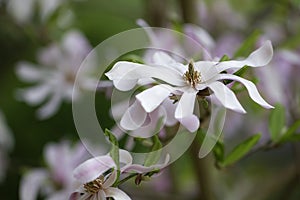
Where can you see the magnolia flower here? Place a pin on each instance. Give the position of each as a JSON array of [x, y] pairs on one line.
[[188, 80], [55, 182], [55, 74], [6, 145], [97, 180]]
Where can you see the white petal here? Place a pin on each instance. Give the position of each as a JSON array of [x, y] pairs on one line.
[[93, 168], [186, 105], [134, 117], [258, 58], [100, 195], [125, 158], [31, 183], [153, 97], [51, 107], [162, 58], [226, 96], [184, 111], [110, 180], [28, 72], [116, 193], [191, 123], [34, 95], [132, 72], [252, 90]]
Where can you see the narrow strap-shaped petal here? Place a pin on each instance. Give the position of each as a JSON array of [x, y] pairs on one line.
[[31, 183], [252, 90], [125, 159], [51, 107], [110, 180], [100, 195], [133, 71], [151, 98], [134, 117], [136, 168], [162, 58], [35, 94], [93, 168], [226, 97], [116, 193], [184, 111], [29, 73], [258, 58]]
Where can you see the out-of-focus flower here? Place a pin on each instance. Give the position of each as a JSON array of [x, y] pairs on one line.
[[280, 81], [97, 178], [188, 80], [6, 145], [55, 74], [24, 10], [55, 182]]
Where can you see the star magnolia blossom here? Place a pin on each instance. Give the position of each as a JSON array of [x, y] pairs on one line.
[[55, 74], [98, 186], [55, 182], [188, 80]]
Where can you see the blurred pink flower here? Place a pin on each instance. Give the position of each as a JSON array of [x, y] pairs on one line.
[[55, 182], [55, 74]]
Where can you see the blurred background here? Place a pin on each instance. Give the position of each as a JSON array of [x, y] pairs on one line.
[[271, 172]]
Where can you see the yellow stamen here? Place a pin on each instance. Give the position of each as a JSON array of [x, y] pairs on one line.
[[192, 77]]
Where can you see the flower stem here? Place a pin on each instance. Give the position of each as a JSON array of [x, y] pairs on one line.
[[126, 179], [189, 11], [202, 170]]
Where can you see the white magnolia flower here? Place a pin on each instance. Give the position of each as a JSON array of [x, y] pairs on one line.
[[6, 145], [55, 74], [55, 182], [97, 180], [188, 80]]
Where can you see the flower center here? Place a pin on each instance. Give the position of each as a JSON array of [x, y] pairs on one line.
[[94, 186], [192, 77]]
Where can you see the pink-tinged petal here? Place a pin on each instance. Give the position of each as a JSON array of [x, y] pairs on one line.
[[125, 158], [169, 108], [28, 72], [133, 71], [252, 90], [258, 58], [93, 168], [51, 107], [226, 96], [141, 169], [151, 98], [157, 121], [200, 35], [31, 183], [100, 195], [116, 193], [110, 180], [134, 117], [191, 123], [34, 95], [185, 107], [75, 196]]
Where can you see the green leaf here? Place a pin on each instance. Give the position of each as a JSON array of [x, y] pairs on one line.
[[224, 58], [248, 45], [153, 157], [293, 138], [114, 152], [290, 132], [241, 150], [277, 122], [133, 58]]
